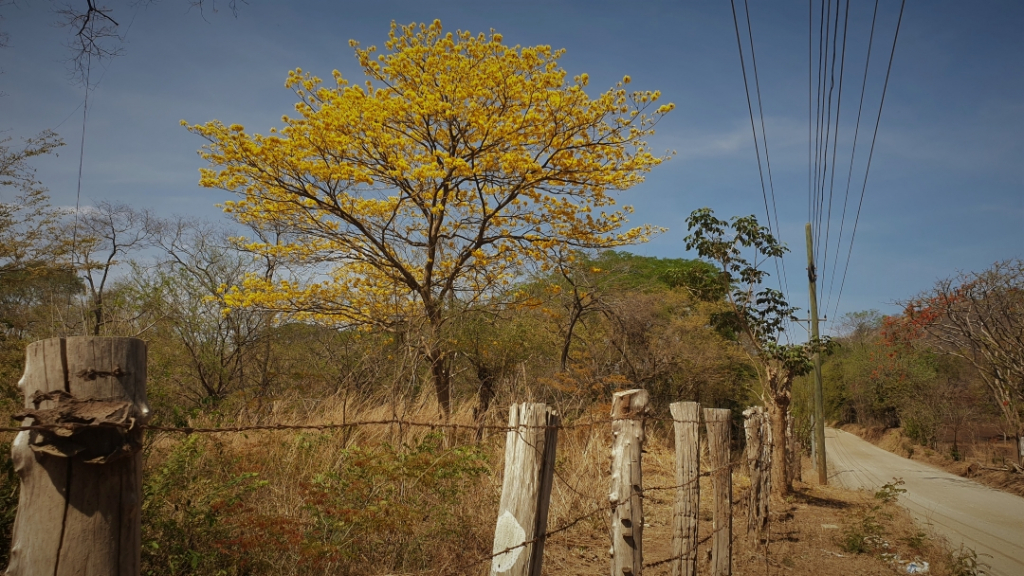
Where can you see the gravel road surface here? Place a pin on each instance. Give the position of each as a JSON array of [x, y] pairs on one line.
[[987, 520]]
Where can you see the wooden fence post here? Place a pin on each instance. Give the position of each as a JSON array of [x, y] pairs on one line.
[[686, 422], [758, 434], [628, 408], [796, 450], [79, 511], [526, 490], [718, 425]]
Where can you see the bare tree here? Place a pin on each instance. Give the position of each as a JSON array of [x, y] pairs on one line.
[[980, 317], [223, 350], [95, 33], [102, 236]]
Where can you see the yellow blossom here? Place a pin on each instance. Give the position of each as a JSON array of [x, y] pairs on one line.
[[459, 163]]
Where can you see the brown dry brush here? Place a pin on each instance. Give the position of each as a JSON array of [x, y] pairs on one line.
[[378, 499]]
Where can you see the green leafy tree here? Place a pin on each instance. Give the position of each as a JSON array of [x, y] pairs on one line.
[[757, 315]]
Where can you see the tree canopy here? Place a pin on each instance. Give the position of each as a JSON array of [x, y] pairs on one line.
[[460, 163]]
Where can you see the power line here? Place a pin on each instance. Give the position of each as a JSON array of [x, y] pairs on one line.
[[753, 129], [823, 24], [853, 154], [810, 53], [767, 159], [871, 153], [81, 157], [835, 140], [828, 132], [750, 110]]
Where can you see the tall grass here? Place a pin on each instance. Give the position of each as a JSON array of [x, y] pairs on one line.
[[376, 499]]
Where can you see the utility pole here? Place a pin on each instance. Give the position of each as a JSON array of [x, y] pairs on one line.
[[819, 407]]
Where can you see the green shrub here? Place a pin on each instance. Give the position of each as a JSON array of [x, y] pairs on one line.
[[185, 514], [964, 562]]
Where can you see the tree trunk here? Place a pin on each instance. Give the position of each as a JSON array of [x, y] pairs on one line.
[[487, 377], [440, 373], [1020, 449], [97, 313], [574, 316], [778, 411]]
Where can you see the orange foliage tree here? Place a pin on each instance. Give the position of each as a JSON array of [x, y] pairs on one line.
[[978, 317]]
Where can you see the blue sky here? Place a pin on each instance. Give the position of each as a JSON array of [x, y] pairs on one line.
[[945, 193]]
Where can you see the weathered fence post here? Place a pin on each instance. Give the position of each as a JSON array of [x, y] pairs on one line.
[[526, 490], [628, 409], [686, 422], [758, 434], [796, 450], [718, 421], [81, 487]]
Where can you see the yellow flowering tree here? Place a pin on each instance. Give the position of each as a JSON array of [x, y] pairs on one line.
[[457, 163]]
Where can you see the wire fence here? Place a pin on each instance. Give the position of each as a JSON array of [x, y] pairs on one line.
[[596, 509], [440, 425], [566, 525]]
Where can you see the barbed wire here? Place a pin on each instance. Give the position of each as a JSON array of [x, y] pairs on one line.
[[610, 507], [566, 525], [693, 550], [329, 426]]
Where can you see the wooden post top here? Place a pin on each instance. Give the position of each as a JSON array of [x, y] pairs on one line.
[[630, 403]]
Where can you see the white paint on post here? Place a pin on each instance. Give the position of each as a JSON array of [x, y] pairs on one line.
[[628, 409], [526, 490], [510, 536]]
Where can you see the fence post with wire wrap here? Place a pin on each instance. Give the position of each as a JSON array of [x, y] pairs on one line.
[[718, 422], [79, 509], [686, 424], [526, 490], [628, 409]]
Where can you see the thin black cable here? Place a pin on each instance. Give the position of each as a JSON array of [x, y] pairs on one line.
[[835, 149], [828, 131], [750, 110], [823, 23], [871, 153], [81, 157], [824, 121], [753, 130], [853, 153], [767, 160], [810, 57]]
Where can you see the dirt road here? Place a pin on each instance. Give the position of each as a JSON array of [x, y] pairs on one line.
[[989, 521]]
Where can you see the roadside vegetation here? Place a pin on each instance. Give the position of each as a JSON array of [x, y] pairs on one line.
[[458, 251], [939, 382]]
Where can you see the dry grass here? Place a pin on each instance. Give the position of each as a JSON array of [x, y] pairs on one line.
[[390, 499]]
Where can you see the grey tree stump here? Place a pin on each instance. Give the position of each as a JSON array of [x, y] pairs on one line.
[[79, 508]]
